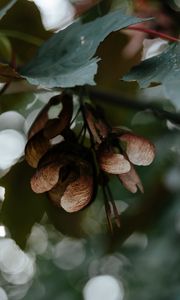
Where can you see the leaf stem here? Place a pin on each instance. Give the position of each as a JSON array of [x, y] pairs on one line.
[[76, 115], [84, 115], [154, 33], [107, 209], [115, 210]]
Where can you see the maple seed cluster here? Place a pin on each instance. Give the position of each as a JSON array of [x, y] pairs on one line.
[[66, 169], [118, 150], [63, 167]]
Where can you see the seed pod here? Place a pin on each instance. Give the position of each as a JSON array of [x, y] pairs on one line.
[[78, 192], [139, 150], [111, 162], [54, 117], [38, 145], [66, 176], [51, 170], [131, 181], [97, 125], [45, 178], [46, 129], [35, 148]]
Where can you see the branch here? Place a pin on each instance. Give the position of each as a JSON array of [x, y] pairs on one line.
[[137, 105], [109, 98]]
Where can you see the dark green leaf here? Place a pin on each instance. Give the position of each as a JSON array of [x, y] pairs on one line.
[[164, 69], [4, 10], [65, 60]]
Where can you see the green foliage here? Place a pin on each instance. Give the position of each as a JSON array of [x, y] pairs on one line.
[[148, 237], [164, 69], [5, 48], [66, 59], [125, 6]]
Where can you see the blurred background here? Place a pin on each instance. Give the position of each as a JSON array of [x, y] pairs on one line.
[[46, 253]]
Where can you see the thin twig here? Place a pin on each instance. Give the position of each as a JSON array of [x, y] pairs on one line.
[[76, 115], [107, 209], [115, 210], [137, 105]]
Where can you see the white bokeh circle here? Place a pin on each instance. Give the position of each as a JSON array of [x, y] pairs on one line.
[[104, 287], [12, 144]]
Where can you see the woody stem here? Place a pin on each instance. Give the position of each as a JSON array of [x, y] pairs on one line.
[[134, 104]]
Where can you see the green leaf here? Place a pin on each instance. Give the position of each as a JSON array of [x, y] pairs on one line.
[[65, 60], [125, 5], [4, 10], [5, 48], [145, 117], [164, 69]]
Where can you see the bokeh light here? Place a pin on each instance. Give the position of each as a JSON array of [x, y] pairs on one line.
[[103, 287], [55, 14], [69, 253], [3, 295], [17, 267]]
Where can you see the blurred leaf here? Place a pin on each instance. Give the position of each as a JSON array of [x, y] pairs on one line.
[[24, 104], [164, 69], [25, 37], [4, 10], [143, 118], [7, 73], [125, 6], [65, 60], [21, 208], [5, 48]]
